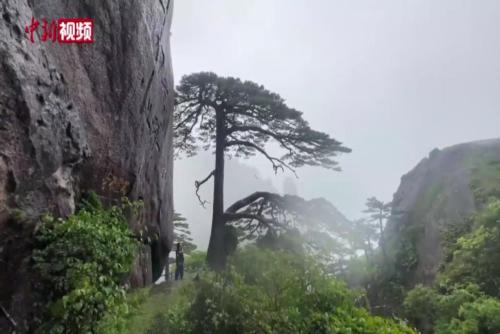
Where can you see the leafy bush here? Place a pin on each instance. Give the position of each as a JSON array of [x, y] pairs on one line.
[[477, 254], [450, 300], [420, 307], [461, 310], [82, 262], [479, 317], [465, 299], [195, 262], [273, 291]]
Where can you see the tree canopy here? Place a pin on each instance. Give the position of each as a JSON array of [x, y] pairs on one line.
[[253, 116], [377, 210]]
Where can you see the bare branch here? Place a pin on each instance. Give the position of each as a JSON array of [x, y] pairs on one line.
[[276, 162], [198, 184], [276, 136]]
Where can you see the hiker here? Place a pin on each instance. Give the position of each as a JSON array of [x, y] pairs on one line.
[[179, 262]]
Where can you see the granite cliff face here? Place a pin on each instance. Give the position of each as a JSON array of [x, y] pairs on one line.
[[82, 117], [443, 189]]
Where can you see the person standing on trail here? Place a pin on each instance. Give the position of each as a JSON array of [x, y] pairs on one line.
[[179, 262]]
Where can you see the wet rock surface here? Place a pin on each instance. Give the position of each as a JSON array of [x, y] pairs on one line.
[[436, 193], [83, 117]]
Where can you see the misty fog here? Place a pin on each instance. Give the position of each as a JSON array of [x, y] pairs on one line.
[[390, 79]]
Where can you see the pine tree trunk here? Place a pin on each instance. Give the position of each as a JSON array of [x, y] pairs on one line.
[[382, 241], [367, 254], [216, 256]]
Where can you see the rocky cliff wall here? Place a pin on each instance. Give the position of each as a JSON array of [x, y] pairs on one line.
[[82, 117], [443, 189]]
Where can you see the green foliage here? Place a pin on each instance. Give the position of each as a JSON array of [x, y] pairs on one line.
[[477, 255], [479, 317], [485, 180], [152, 305], [378, 212], [466, 297], [468, 284], [160, 325], [449, 236], [196, 262], [275, 291], [449, 301], [291, 241], [363, 235], [420, 307], [16, 215], [314, 225], [265, 118], [406, 256], [431, 198], [389, 280], [82, 262], [324, 247], [357, 272], [396, 271], [463, 310]]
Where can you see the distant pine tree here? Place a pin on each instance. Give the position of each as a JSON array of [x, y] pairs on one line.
[[378, 213], [183, 234]]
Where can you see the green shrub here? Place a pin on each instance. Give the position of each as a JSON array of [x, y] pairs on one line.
[[449, 303], [82, 262], [479, 317], [195, 262], [461, 310], [420, 307], [270, 291], [465, 299], [477, 254], [160, 325]]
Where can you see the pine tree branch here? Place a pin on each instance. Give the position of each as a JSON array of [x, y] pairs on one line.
[[198, 184], [190, 116], [228, 217], [276, 162]]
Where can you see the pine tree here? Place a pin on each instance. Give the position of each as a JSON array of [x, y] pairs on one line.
[[237, 118]]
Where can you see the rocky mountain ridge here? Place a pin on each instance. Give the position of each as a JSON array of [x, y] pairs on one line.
[[445, 188]]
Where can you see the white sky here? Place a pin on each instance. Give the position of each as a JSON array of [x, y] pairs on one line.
[[390, 79]]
